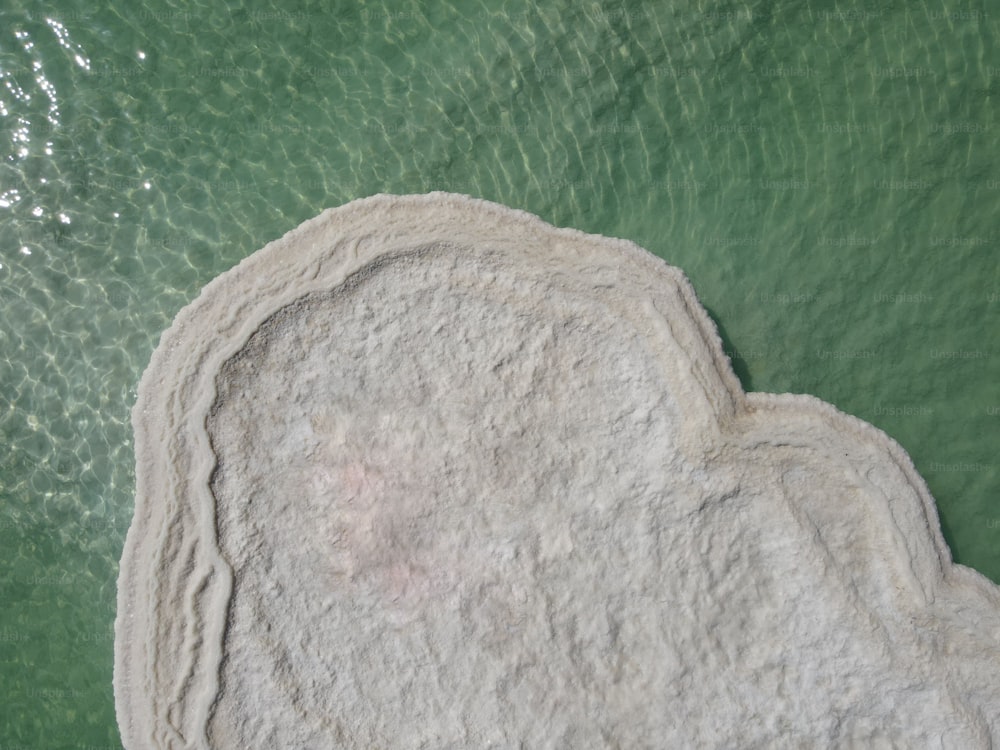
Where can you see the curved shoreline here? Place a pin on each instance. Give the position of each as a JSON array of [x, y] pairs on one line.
[[167, 667]]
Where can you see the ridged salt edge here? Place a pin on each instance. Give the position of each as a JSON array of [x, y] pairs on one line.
[[174, 460]]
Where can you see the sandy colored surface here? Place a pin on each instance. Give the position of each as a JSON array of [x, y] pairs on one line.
[[430, 473]]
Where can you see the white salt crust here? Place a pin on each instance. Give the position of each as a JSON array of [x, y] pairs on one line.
[[428, 472]]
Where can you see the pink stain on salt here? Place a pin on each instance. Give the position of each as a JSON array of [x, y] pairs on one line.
[[373, 548]]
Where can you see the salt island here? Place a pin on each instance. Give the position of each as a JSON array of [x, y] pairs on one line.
[[429, 472]]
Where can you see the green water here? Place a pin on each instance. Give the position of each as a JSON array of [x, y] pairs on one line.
[[826, 173]]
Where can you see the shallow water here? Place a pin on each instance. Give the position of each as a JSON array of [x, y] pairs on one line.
[[827, 175]]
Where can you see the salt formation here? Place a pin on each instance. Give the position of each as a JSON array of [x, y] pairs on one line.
[[430, 473]]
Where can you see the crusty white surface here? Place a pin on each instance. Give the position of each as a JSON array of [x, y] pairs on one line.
[[430, 473]]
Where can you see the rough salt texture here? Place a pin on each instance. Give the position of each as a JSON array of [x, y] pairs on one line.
[[430, 473]]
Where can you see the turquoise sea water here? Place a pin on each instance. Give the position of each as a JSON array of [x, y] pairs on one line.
[[827, 173]]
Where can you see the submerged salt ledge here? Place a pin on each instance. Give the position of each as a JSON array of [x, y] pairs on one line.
[[429, 472]]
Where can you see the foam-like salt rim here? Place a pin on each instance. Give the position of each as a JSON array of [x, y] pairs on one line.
[[174, 585]]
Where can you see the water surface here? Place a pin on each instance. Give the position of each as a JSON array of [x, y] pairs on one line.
[[826, 173]]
